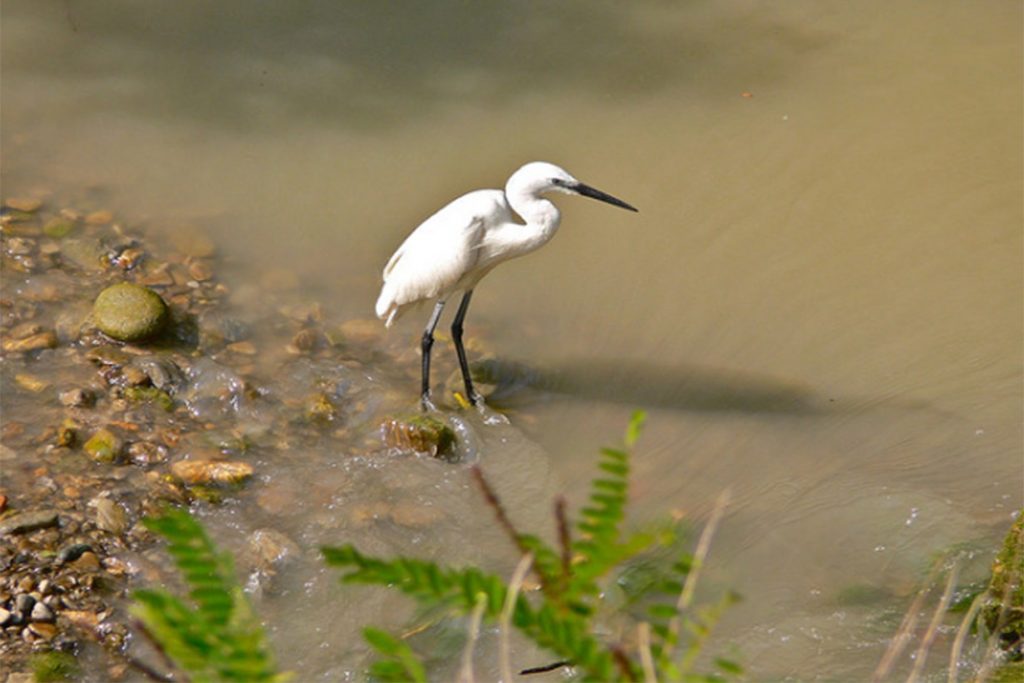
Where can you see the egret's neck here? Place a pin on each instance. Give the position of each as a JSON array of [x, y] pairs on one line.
[[540, 215]]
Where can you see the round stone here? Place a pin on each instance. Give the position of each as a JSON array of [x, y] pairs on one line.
[[129, 312]]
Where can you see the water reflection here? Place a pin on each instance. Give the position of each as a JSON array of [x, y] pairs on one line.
[[238, 63], [649, 384]]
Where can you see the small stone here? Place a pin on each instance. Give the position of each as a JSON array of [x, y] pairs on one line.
[[20, 246], [104, 446], [88, 562], [72, 552], [40, 612], [23, 604], [35, 342], [21, 677], [129, 258], [200, 271], [320, 409], [5, 617], [25, 329], [76, 398], [99, 217], [67, 434], [85, 252], [82, 618], [26, 204], [309, 339], [109, 515], [58, 227], [108, 355], [158, 277], [31, 383], [163, 373], [146, 453], [246, 348], [28, 521], [420, 433], [194, 472], [130, 312], [134, 376], [43, 630]]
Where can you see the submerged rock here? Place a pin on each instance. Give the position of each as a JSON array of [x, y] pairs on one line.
[[420, 433], [129, 312], [28, 521], [194, 472], [103, 447]]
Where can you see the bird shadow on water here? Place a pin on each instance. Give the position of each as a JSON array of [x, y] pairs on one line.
[[649, 384]]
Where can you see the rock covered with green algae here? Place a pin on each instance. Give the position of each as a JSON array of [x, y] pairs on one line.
[[420, 433], [1004, 612], [129, 312], [104, 447]]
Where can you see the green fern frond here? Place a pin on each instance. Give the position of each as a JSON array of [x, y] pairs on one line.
[[400, 664], [219, 640]]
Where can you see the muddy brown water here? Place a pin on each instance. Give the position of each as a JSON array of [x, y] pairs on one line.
[[819, 302]]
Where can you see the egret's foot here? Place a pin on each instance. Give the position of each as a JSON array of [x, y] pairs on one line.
[[488, 415], [427, 406]]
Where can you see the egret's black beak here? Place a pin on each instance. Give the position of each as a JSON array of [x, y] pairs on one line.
[[588, 191]]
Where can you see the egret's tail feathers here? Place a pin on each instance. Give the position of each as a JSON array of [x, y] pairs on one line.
[[387, 308]]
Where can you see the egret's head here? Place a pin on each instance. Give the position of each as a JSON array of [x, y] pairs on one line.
[[538, 177]]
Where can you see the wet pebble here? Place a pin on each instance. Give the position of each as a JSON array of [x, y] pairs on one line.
[[87, 562], [211, 471], [109, 515], [72, 552], [420, 433], [130, 312], [19, 246], [99, 217], [26, 204], [40, 612], [35, 342], [76, 397], [28, 521], [43, 630], [146, 453], [58, 227], [103, 447]]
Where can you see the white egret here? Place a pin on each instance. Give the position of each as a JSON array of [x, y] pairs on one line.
[[453, 249]]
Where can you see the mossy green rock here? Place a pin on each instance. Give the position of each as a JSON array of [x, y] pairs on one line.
[[421, 433], [104, 447], [129, 312]]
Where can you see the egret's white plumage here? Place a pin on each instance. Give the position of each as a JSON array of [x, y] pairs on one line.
[[457, 246]]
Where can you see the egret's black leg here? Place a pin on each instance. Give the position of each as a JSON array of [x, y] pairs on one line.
[[471, 393], [428, 341]]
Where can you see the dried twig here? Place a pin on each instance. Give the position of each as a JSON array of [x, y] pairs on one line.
[[690, 585], [515, 584], [544, 669], [564, 540], [933, 626], [961, 635], [643, 638], [902, 636], [622, 661], [466, 673], [492, 499]]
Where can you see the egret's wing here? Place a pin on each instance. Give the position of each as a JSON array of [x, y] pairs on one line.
[[436, 256]]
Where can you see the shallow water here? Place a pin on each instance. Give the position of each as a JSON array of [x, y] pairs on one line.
[[819, 303]]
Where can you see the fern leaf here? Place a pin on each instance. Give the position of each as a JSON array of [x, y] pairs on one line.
[[218, 641], [400, 663]]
